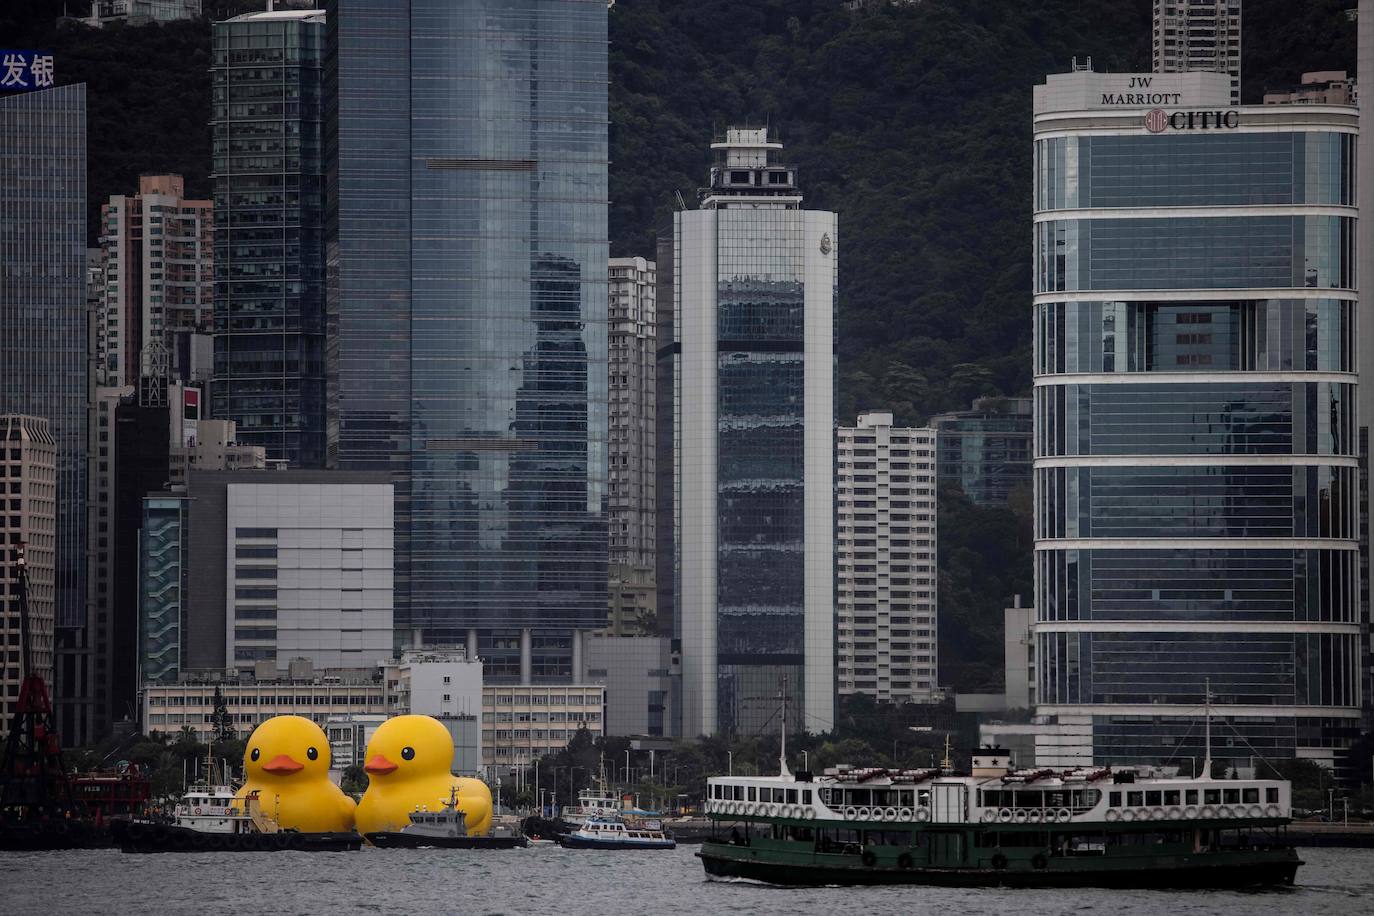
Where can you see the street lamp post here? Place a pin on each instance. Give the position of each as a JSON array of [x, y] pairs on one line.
[[730, 756], [806, 761]]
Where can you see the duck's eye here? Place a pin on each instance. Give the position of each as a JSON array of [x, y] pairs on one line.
[[312, 753], [255, 755], [407, 753]]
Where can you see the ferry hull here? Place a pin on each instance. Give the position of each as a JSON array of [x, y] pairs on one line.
[[572, 841], [400, 840], [133, 836], [1250, 870]]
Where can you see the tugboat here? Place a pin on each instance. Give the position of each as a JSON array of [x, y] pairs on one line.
[[210, 819], [445, 829], [618, 833], [1000, 826]]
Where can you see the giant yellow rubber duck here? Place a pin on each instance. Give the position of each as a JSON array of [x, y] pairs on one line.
[[408, 765], [287, 764]]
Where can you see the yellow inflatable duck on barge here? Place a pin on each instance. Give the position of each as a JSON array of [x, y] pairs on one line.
[[287, 764], [408, 765]]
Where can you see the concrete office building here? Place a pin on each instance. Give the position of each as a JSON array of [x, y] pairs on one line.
[[1365, 268], [885, 561], [523, 722], [639, 673], [348, 735], [466, 272], [631, 445], [289, 565], [269, 231], [446, 684], [44, 327], [158, 268], [1198, 35], [1196, 469], [987, 450], [28, 469], [317, 696], [753, 352]]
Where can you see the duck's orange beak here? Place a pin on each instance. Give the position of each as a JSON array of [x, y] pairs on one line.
[[379, 765], [282, 765]]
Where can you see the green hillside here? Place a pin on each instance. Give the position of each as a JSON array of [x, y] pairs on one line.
[[913, 122]]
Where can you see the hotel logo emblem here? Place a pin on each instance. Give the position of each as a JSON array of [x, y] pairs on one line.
[[1156, 120]]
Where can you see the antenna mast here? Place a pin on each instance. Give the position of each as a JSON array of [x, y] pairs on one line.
[[1207, 720], [782, 755]]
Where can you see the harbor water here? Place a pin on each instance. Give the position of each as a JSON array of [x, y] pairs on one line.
[[551, 880]]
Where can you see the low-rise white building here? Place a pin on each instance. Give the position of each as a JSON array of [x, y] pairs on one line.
[[522, 721], [169, 708]]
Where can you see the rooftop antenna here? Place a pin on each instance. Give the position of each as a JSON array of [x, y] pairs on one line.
[[1207, 719]]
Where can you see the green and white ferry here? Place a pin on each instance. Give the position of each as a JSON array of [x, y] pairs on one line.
[[999, 826]]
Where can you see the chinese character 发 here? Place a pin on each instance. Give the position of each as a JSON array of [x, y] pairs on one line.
[[14, 71], [41, 70]]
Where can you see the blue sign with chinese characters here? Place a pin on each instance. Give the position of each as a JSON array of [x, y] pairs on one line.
[[20, 70]]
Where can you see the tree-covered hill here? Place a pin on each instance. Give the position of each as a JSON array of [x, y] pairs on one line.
[[912, 121]]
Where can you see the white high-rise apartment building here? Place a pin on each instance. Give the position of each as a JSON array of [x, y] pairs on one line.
[[753, 425], [1198, 35], [885, 560], [158, 266], [630, 445]]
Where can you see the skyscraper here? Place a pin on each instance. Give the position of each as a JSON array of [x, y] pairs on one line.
[[466, 269], [1196, 469], [157, 261], [885, 561], [269, 232], [753, 506], [1198, 35], [28, 464], [632, 355], [43, 318]]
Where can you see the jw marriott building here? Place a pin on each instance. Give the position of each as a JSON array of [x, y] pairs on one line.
[[1196, 476]]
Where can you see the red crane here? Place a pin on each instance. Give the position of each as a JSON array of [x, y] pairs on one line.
[[37, 807]]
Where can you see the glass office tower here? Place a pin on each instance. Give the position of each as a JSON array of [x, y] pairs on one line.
[[466, 268], [1196, 455], [754, 279], [269, 232], [44, 330]]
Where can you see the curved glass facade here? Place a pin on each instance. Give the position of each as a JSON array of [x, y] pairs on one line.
[[1174, 427], [1200, 252], [466, 261], [1255, 335], [1183, 169]]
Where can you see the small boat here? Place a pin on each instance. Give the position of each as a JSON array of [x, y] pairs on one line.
[[619, 833], [446, 829]]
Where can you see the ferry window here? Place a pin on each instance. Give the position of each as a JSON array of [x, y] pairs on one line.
[[1135, 799], [752, 794], [1171, 797], [859, 797], [806, 796], [825, 796], [1190, 796], [1114, 799], [880, 797], [1271, 796], [1231, 796], [739, 793], [1154, 799], [791, 796], [1249, 796], [1211, 796]]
